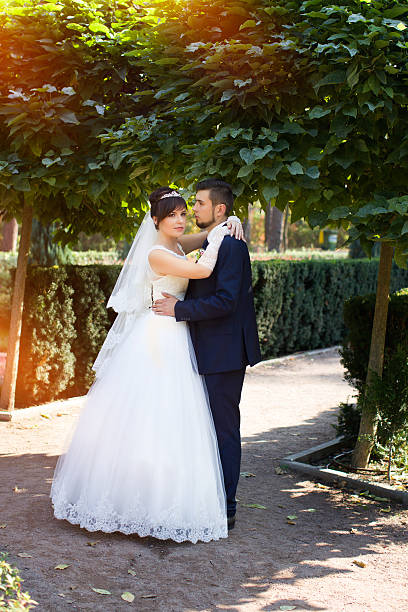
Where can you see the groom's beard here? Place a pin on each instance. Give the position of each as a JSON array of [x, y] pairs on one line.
[[205, 224]]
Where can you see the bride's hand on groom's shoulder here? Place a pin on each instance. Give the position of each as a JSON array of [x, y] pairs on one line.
[[165, 306], [235, 228]]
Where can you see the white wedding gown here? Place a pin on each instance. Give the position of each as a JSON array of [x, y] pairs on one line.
[[144, 457]]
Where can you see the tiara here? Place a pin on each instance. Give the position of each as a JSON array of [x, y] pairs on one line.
[[171, 194]]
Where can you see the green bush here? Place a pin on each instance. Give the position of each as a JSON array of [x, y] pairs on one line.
[[91, 323], [298, 305], [65, 322], [46, 362], [12, 598], [388, 395], [358, 318]]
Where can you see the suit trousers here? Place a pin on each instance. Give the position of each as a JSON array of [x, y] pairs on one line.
[[224, 391]]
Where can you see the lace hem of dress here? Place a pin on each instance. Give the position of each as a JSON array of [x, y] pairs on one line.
[[107, 520]]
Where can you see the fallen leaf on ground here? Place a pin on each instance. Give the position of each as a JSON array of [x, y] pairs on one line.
[[148, 596], [24, 555], [247, 475], [128, 596], [16, 489], [254, 506], [3, 526], [45, 416], [61, 595], [359, 563], [310, 510], [287, 607], [291, 522], [279, 470], [131, 572], [381, 510], [62, 566], [101, 591], [62, 413], [291, 517], [92, 543]]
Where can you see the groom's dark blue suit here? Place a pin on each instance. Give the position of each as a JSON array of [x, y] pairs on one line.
[[220, 312]]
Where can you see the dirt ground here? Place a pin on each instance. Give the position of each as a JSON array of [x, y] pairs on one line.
[[265, 564]]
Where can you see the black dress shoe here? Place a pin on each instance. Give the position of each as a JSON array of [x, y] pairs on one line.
[[230, 522]]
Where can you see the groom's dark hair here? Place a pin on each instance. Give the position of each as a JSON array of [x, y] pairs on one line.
[[220, 193]]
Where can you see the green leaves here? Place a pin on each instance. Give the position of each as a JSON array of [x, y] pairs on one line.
[[249, 23], [270, 192], [52, 125], [295, 168], [333, 78], [96, 26]]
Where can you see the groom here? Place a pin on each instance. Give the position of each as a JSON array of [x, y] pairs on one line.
[[220, 311]]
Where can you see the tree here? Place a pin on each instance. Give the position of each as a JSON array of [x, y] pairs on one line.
[[44, 251], [299, 103], [10, 235], [64, 79], [274, 228]]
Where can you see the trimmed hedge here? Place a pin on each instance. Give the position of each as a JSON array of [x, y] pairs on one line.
[[299, 306], [46, 362], [359, 316], [388, 395]]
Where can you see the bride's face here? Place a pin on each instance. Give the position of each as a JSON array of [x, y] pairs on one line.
[[174, 224]]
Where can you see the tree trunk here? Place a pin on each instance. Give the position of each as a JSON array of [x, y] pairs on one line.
[[247, 229], [274, 222], [10, 233], [286, 228], [368, 423], [13, 347]]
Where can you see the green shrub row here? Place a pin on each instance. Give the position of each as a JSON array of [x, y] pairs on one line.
[[388, 395], [65, 322], [358, 317], [299, 306]]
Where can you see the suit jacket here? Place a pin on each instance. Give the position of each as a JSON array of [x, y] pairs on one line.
[[221, 314]]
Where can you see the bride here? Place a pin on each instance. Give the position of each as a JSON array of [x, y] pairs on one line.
[[144, 458]]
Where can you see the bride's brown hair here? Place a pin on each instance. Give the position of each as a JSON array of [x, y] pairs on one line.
[[161, 207]]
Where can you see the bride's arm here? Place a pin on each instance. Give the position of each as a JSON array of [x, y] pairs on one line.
[[163, 263], [191, 242]]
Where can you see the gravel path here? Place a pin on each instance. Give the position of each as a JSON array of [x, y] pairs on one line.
[[265, 564]]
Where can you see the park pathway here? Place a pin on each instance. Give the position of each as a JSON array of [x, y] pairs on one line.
[[265, 564]]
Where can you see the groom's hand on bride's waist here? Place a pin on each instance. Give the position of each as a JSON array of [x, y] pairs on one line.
[[165, 306]]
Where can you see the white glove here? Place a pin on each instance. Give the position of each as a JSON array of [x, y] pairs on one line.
[[235, 227], [215, 238]]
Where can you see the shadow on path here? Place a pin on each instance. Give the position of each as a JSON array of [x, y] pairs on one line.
[[264, 564]]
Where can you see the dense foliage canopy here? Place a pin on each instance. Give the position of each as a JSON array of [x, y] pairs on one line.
[[64, 79], [299, 102]]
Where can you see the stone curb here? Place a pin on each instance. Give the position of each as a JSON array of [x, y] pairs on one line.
[[294, 356], [296, 463]]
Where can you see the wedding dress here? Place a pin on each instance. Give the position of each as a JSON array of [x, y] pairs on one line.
[[144, 457]]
